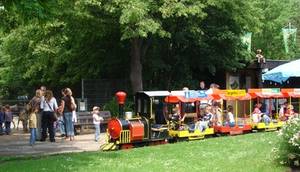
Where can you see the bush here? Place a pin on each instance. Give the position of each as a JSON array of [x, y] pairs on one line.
[[113, 107], [288, 150]]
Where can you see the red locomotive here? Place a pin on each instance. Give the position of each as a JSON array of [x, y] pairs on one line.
[[148, 127]]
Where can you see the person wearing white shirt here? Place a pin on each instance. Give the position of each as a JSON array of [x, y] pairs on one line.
[[96, 120], [49, 106]]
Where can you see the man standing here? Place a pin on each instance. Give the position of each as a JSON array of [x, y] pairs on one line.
[[202, 86], [39, 115]]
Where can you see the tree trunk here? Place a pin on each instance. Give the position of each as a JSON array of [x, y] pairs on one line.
[[136, 65]]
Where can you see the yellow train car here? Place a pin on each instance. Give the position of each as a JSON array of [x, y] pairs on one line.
[[184, 127], [267, 94]]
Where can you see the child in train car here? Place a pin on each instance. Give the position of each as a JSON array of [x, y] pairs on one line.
[[257, 114], [290, 112], [97, 120], [230, 117], [176, 114], [176, 117], [206, 120], [282, 111], [217, 112]]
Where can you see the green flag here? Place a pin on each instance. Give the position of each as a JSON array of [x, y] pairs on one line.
[[289, 37], [246, 40]]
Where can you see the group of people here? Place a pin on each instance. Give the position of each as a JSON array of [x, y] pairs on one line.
[[210, 115], [45, 115], [44, 112], [286, 111]]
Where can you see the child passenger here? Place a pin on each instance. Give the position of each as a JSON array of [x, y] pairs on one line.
[[282, 111], [217, 113], [96, 120], [230, 116], [206, 119], [290, 112], [256, 114], [33, 125]]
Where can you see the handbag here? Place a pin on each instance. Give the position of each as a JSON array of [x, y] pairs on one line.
[[54, 115]]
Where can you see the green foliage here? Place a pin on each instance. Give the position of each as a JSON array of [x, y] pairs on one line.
[[60, 42], [288, 148], [274, 15], [113, 107]]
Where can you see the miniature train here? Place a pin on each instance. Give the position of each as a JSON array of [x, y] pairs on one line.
[[155, 123]]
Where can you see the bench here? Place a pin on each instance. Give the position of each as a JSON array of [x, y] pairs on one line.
[[85, 124]]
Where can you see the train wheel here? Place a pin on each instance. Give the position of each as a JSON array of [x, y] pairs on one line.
[[184, 139], [172, 140], [126, 146]]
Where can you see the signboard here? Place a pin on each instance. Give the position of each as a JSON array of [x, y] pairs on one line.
[[235, 93], [297, 91], [195, 94], [268, 91]]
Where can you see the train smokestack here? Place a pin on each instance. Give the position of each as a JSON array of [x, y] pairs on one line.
[[121, 97]]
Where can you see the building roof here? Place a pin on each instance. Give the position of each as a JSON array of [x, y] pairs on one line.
[[270, 64]]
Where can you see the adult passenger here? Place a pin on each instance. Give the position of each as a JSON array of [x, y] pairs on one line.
[[49, 106]]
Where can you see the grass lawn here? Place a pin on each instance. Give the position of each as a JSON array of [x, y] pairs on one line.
[[251, 152]]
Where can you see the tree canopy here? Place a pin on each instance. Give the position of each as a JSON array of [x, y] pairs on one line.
[[156, 44]]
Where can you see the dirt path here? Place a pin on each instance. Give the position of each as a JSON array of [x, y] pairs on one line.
[[17, 144]]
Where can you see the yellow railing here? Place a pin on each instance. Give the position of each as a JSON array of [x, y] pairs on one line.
[[125, 136]]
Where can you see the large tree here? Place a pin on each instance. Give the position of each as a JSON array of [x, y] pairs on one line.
[[166, 43], [140, 20]]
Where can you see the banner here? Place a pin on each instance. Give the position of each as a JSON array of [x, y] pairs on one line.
[[246, 40], [289, 37], [235, 93]]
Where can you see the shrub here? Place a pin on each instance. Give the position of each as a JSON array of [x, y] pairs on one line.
[[113, 107], [288, 150]]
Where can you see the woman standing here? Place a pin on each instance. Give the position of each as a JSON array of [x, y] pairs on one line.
[[68, 105], [49, 106]]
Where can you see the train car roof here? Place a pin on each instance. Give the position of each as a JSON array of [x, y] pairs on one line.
[[155, 93]]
